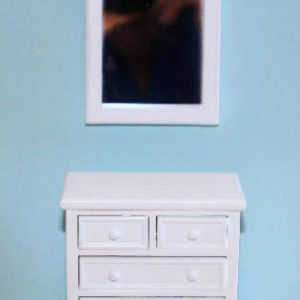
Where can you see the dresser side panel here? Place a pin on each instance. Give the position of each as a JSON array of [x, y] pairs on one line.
[[72, 255]]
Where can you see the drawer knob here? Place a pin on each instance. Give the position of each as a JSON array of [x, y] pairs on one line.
[[114, 276], [192, 276], [193, 236], [113, 236]]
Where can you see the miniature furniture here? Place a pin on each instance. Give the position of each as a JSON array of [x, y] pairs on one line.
[[154, 235]]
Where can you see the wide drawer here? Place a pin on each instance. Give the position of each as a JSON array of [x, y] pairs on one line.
[[152, 273], [150, 298], [113, 232], [190, 233]]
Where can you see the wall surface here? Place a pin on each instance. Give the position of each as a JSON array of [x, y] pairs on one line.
[[42, 136]]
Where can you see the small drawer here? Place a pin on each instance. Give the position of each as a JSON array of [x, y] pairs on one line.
[[152, 273], [190, 233], [113, 232]]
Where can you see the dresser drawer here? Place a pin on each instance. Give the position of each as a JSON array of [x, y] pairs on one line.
[[190, 233], [105, 232], [151, 298], [153, 273]]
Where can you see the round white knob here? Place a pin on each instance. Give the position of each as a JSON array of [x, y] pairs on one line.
[[113, 236], [192, 276], [114, 276], [193, 236]]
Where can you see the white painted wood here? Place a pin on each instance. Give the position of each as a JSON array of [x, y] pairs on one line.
[[136, 191], [165, 292], [204, 113], [153, 273], [153, 249], [191, 251], [151, 298], [113, 232], [233, 255], [209, 232], [72, 255]]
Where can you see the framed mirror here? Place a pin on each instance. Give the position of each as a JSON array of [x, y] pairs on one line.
[[152, 61]]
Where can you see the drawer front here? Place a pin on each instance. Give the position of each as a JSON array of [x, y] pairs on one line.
[[190, 233], [150, 298], [104, 232], [153, 273]]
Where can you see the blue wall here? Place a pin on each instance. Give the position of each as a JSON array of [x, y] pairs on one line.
[[42, 136]]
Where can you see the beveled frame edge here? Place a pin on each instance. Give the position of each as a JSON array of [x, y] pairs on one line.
[[207, 113]]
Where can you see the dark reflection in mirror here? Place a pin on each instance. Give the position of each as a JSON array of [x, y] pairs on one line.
[[152, 51]]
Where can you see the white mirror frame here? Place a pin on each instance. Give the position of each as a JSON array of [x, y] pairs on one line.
[[206, 113]]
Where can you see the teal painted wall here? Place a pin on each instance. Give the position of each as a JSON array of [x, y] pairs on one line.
[[42, 136]]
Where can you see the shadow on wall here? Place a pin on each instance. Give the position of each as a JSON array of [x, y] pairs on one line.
[[63, 221], [243, 223]]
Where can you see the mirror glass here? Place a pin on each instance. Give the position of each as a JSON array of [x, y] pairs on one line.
[[152, 51]]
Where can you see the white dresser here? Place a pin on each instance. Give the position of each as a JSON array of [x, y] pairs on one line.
[[146, 236]]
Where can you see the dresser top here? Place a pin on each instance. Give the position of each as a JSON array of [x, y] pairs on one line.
[[152, 191]]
